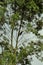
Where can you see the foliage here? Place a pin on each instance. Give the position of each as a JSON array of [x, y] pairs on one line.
[[24, 11]]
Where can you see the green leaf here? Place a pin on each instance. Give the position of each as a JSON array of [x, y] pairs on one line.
[[2, 12], [20, 2]]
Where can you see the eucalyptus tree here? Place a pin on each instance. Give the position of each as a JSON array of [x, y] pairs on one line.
[[24, 11]]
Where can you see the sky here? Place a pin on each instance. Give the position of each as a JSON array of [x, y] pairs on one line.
[[36, 61]]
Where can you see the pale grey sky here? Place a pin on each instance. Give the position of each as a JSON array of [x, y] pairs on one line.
[[36, 61]]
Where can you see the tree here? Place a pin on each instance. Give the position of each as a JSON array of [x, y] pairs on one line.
[[24, 11]]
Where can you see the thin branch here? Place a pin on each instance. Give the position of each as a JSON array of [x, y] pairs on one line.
[[19, 30], [12, 38]]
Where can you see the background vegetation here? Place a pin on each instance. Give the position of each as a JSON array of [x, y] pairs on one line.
[[21, 17]]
